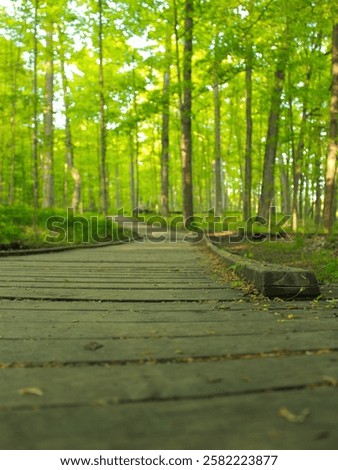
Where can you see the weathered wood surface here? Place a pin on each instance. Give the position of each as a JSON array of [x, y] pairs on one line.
[[104, 329], [233, 422], [148, 346], [165, 381]]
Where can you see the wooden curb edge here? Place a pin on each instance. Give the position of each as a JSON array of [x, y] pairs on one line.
[[272, 280]]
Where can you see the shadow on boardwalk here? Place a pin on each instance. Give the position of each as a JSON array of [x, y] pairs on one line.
[[144, 346]]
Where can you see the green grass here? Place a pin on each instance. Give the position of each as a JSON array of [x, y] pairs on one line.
[[20, 228], [317, 253]]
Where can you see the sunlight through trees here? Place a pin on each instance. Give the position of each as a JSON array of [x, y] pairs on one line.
[[178, 105]]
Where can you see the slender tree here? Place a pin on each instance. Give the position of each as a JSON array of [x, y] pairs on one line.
[[249, 132], [75, 174], [177, 55], [136, 145], [331, 165], [186, 112], [165, 130], [35, 149], [318, 202], [217, 131], [284, 177], [103, 124], [48, 154], [14, 69], [132, 164], [268, 186]]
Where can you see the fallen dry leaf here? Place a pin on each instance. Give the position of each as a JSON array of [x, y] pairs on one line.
[[214, 380], [31, 391], [330, 380], [291, 417], [93, 346], [99, 402]]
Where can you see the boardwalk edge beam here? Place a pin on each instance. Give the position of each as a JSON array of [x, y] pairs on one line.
[[271, 280]]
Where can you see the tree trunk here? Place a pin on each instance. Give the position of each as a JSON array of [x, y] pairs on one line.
[[208, 198], [186, 110], [117, 187], [285, 186], [137, 172], [133, 201], [136, 146], [103, 127], [217, 130], [165, 144], [177, 54], [318, 173], [298, 159], [331, 165], [11, 191], [307, 203], [301, 197], [297, 173], [48, 157], [2, 159], [35, 149], [249, 129], [76, 197], [268, 189], [218, 151]]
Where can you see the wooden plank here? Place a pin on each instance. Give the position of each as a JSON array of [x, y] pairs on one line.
[[111, 265], [184, 317], [244, 305], [146, 295], [330, 291], [97, 277], [121, 313], [135, 383], [104, 329], [42, 307], [233, 313], [120, 253], [172, 261], [74, 284], [41, 351], [215, 423]]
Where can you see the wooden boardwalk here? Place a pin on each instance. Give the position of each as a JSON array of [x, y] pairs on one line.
[[147, 346]]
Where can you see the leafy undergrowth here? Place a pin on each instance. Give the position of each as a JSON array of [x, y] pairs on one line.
[[21, 229], [317, 253]]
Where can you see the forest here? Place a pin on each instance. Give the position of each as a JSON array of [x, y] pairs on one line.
[[178, 106]]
